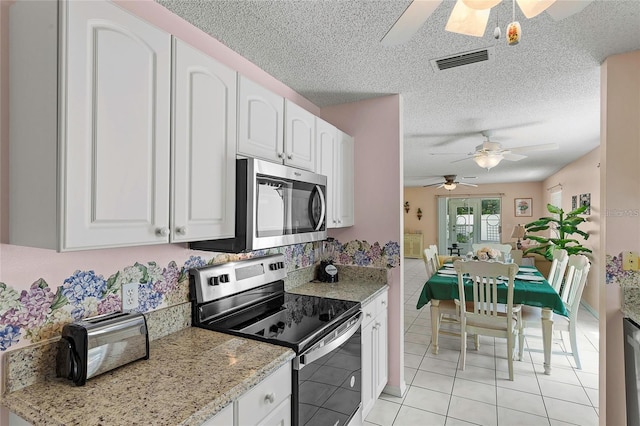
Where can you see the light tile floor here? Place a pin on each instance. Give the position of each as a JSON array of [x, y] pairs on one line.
[[439, 393]]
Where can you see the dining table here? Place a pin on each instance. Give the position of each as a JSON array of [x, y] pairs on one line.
[[530, 288]]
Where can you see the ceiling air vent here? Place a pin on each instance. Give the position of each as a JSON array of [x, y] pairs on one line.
[[461, 59]]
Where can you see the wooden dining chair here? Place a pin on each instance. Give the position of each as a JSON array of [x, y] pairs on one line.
[[429, 262], [485, 316], [558, 268], [434, 249], [531, 317]]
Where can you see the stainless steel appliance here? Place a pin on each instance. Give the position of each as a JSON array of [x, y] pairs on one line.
[[276, 205], [632, 370], [99, 344], [247, 298]]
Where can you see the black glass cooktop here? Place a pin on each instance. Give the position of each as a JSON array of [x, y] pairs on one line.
[[292, 320]]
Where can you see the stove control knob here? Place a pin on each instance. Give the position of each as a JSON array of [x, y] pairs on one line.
[[273, 266], [214, 281], [224, 278], [280, 325], [273, 329]]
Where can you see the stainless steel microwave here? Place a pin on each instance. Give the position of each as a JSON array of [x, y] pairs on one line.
[[276, 205]]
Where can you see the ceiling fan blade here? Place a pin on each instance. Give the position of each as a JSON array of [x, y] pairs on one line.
[[513, 157], [462, 159], [562, 9], [409, 22], [468, 184], [531, 8], [532, 148], [464, 20], [437, 185]]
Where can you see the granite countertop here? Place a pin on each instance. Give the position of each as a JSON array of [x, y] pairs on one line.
[[354, 289], [190, 376]]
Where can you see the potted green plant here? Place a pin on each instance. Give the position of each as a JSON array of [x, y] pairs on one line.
[[565, 225]]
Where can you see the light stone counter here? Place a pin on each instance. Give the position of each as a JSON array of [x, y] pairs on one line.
[[190, 376], [631, 302], [356, 284]]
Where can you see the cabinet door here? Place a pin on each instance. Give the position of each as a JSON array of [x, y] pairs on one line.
[[260, 122], [382, 357], [115, 156], [280, 416], [368, 368], [203, 146], [299, 137], [326, 146], [346, 194], [223, 418]]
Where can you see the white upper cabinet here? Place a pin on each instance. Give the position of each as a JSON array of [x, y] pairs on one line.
[[299, 137], [100, 156], [260, 122], [334, 158], [327, 146], [204, 146], [270, 129], [103, 105], [345, 160]]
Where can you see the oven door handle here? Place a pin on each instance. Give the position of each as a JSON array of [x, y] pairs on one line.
[[316, 353]]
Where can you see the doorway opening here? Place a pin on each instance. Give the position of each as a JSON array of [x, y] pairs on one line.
[[466, 221]]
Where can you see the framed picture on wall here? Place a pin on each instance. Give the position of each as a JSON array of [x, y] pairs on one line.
[[523, 207]]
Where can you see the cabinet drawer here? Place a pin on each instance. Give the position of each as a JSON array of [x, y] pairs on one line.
[[369, 312], [257, 403], [382, 301]]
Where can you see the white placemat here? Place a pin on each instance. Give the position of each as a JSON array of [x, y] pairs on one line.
[[529, 277]]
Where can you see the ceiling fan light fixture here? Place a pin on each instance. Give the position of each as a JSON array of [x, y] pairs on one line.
[[531, 8], [467, 21], [480, 4], [487, 161], [450, 186]]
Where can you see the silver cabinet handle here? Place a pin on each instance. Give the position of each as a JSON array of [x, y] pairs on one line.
[[384, 302], [281, 155], [162, 232], [290, 156], [368, 315], [270, 398], [182, 230]]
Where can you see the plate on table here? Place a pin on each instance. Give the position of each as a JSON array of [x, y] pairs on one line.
[[448, 265], [529, 277], [527, 269], [447, 272]]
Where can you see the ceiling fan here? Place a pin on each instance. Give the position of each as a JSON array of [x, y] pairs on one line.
[[470, 17], [489, 154], [450, 182]]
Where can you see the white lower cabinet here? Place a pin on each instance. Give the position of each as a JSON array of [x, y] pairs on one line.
[[266, 404], [374, 351], [223, 418]]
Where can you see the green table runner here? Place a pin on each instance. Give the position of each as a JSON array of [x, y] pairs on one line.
[[531, 293]]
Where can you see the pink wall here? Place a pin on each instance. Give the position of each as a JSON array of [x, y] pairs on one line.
[[620, 134], [375, 125], [582, 177]]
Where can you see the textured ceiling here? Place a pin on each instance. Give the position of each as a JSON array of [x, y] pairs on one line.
[[546, 89]]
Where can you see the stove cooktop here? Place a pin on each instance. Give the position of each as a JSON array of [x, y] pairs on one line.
[[247, 298]]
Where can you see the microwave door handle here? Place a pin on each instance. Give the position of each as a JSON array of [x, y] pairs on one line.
[[323, 209]]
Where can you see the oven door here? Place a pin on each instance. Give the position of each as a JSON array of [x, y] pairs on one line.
[[327, 378]]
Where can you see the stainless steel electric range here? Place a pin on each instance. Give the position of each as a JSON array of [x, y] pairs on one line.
[[247, 298]]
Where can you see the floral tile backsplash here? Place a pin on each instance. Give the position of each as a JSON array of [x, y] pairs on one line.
[[41, 311], [616, 274]]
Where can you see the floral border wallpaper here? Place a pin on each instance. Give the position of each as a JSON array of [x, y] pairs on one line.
[[41, 311], [615, 273]]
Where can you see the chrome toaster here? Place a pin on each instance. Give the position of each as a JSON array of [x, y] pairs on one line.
[[96, 345]]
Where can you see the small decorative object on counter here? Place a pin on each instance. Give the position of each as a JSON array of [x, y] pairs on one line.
[[327, 271]]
